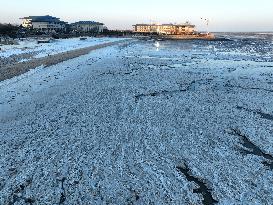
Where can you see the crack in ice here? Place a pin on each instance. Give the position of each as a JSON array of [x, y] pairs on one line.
[[251, 148], [202, 187], [262, 115]]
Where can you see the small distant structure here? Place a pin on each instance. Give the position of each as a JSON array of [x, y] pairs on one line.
[[87, 27], [165, 29], [45, 40], [47, 24], [83, 38]]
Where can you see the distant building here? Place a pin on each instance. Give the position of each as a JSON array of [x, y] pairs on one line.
[[168, 29], [88, 27], [46, 24]]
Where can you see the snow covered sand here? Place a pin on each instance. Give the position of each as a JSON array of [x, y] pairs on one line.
[[10, 70], [29, 48], [186, 123]]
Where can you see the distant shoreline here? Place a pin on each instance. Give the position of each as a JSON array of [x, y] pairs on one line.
[[250, 32]]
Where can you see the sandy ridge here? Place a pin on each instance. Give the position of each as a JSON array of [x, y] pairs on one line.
[[10, 71]]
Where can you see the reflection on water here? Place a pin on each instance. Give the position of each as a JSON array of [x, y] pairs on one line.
[[254, 47]]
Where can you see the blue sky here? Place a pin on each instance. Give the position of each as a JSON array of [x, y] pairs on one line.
[[224, 15]]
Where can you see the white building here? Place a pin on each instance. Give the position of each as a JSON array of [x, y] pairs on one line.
[[168, 29], [88, 27], [44, 23]]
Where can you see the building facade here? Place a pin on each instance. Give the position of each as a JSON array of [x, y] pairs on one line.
[[46, 24], [88, 27], [167, 29]]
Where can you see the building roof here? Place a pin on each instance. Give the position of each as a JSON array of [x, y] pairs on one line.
[[88, 22], [46, 18]]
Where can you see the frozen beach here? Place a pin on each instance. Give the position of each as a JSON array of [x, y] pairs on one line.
[[28, 49], [27, 46], [140, 122], [14, 63]]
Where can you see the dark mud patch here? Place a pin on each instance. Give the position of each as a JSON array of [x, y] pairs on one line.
[[63, 195], [251, 148], [134, 198], [191, 87], [18, 194], [202, 186], [157, 93], [257, 112], [249, 88], [116, 73]]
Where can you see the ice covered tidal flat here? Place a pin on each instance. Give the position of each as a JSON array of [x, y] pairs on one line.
[[182, 122]]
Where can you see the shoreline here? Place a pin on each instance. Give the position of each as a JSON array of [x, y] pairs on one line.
[[189, 37], [10, 71]]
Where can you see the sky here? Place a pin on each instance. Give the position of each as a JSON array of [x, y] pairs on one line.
[[223, 15]]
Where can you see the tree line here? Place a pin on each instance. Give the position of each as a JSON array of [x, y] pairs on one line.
[[8, 30]]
